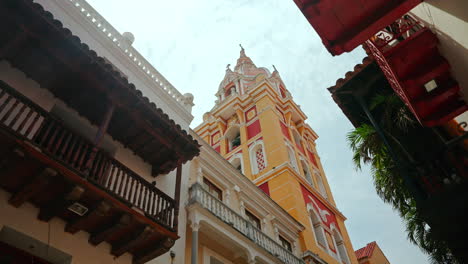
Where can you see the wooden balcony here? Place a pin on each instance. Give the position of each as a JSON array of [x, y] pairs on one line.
[[240, 224], [65, 175], [407, 53]]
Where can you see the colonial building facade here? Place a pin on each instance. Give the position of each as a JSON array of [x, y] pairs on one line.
[[262, 132], [96, 156]]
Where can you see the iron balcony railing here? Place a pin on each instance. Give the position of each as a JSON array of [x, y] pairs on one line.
[[27, 121], [229, 216]]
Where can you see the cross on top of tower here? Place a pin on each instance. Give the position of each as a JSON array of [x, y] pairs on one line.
[[242, 52], [243, 60]]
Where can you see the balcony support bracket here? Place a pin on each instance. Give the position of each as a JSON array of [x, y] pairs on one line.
[[106, 232], [100, 210], [59, 204], [141, 235], [36, 185]]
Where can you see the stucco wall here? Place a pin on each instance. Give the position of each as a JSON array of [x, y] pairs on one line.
[[24, 220], [378, 257]]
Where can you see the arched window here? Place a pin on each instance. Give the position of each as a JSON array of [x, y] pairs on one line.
[[236, 161], [317, 227], [257, 157], [320, 184], [306, 171], [342, 253], [292, 158], [233, 137]]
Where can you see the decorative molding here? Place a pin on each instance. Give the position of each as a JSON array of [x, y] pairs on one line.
[[195, 227]]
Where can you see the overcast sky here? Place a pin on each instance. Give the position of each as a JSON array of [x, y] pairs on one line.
[[191, 42]]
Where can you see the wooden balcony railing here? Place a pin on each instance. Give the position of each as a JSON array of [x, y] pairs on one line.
[[27, 121], [229, 216]]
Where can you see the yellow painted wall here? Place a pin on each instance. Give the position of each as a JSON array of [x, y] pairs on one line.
[[24, 220], [378, 257]]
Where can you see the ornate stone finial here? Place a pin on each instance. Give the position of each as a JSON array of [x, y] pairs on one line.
[[188, 101], [242, 52], [228, 67], [128, 37]]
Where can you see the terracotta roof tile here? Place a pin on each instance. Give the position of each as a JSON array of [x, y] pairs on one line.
[[366, 251], [350, 74]]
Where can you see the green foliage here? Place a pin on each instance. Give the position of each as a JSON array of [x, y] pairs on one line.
[[368, 148], [236, 141]]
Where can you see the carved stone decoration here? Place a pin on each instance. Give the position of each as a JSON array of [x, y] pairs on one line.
[[188, 102], [128, 37]]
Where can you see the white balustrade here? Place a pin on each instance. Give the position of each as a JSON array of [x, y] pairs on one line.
[[107, 30], [229, 216]]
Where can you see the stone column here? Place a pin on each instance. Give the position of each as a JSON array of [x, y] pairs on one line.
[[242, 209], [199, 174], [227, 197], [195, 227], [276, 232]]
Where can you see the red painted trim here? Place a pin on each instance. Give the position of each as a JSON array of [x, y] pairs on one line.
[[212, 138], [218, 149], [331, 218], [301, 149], [285, 130], [265, 188], [312, 158], [253, 129]]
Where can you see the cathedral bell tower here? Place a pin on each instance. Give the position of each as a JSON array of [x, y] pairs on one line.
[[256, 125]]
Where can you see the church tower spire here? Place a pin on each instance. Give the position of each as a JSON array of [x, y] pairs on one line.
[[244, 63], [261, 131], [246, 77]]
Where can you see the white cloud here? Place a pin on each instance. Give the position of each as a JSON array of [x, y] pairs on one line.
[[191, 42]]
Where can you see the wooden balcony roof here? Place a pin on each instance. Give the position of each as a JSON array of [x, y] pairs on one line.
[[360, 80], [37, 44]]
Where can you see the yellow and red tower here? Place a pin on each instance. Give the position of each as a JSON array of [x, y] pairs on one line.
[[257, 126]]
